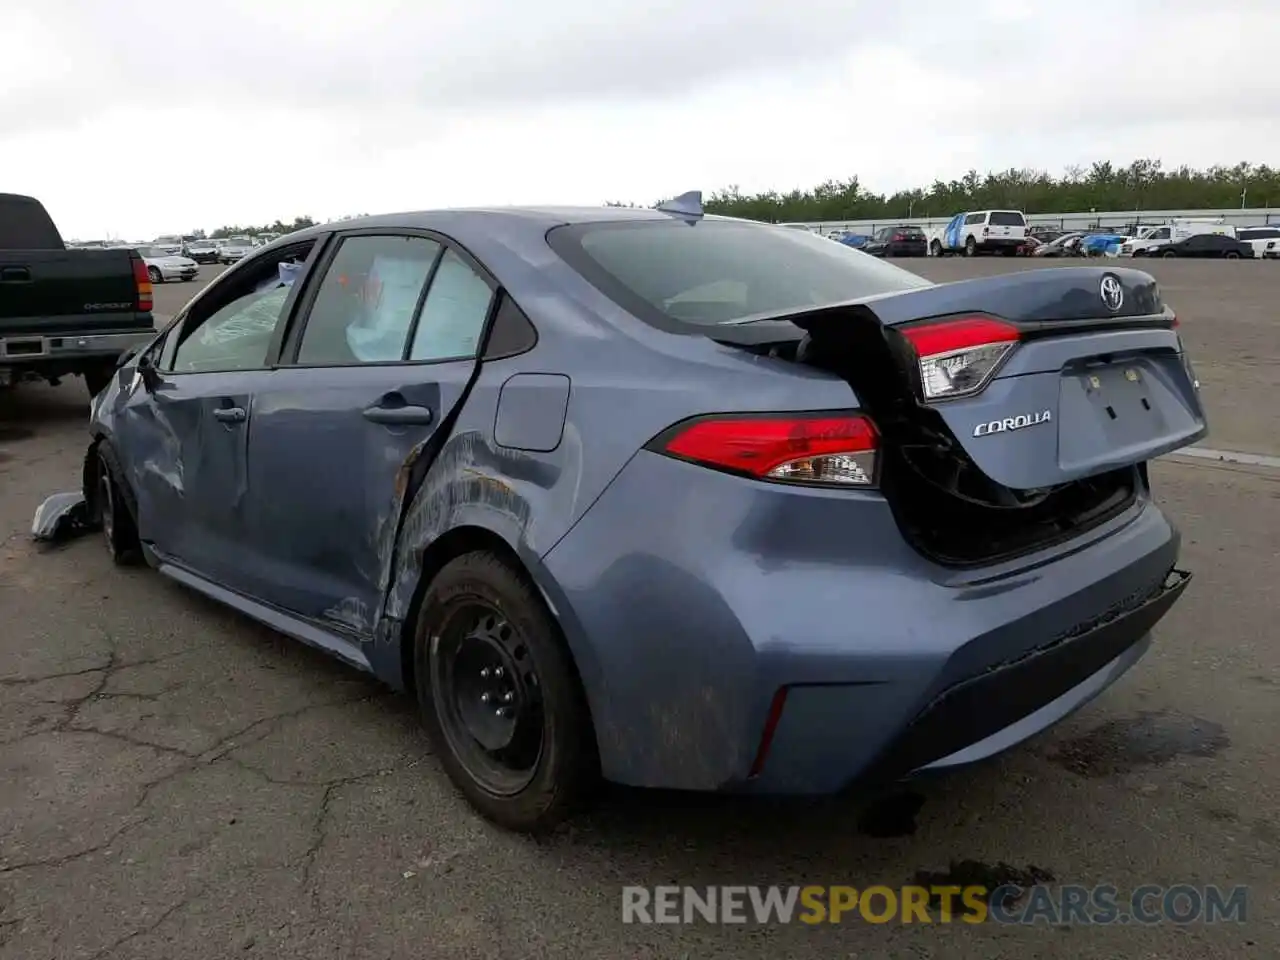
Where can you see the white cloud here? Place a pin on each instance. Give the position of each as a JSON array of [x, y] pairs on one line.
[[134, 123]]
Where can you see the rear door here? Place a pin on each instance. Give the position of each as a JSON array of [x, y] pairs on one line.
[[383, 353], [1006, 225]]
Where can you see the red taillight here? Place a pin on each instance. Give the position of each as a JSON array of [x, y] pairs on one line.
[[142, 281], [770, 728], [959, 356], [899, 237], [828, 449], [1173, 321]]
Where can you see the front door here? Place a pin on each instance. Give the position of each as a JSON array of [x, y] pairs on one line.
[[373, 371], [185, 436]]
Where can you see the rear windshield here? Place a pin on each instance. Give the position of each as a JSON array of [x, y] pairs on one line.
[[673, 273], [1006, 218]]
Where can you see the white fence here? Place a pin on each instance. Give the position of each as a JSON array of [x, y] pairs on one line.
[[1254, 216]]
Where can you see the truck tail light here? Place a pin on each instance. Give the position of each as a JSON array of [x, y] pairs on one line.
[[825, 449], [959, 356], [142, 281]]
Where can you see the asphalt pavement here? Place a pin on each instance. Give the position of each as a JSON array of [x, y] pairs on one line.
[[176, 781]]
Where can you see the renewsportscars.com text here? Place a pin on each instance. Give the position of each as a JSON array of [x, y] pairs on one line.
[[1053, 905]]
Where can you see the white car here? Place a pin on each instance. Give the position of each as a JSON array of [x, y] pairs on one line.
[[163, 266], [234, 249], [1264, 240]]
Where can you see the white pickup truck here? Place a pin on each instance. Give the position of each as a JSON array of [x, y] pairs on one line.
[[1153, 238]]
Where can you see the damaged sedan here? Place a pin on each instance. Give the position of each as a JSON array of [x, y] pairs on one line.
[[657, 497]]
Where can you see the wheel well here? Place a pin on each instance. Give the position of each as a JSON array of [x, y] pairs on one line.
[[449, 546]]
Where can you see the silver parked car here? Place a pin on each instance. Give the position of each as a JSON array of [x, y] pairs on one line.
[[234, 249], [163, 265]]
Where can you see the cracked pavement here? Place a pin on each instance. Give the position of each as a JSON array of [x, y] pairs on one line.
[[178, 781]]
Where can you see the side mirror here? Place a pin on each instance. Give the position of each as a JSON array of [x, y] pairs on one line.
[[126, 357], [150, 375]]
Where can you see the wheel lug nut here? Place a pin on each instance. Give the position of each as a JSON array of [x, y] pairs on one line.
[[501, 711], [508, 697], [497, 671], [484, 697], [484, 674]]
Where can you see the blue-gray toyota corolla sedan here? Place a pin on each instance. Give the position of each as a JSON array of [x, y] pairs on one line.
[[664, 498]]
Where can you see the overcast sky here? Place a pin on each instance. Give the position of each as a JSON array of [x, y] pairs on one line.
[[132, 118]]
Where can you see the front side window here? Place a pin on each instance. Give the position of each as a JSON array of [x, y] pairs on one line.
[[232, 325], [237, 337], [673, 274], [365, 306]]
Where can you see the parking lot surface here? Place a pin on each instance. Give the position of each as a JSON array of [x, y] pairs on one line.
[[176, 781]]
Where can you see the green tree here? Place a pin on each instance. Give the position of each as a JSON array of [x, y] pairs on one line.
[[1141, 185]]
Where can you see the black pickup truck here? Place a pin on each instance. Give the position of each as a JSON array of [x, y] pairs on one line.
[[65, 312]]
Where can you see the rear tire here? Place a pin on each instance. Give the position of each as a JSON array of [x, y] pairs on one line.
[[1168, 254], [970, 246], [112, 514], [484, 637], [1231, 255]]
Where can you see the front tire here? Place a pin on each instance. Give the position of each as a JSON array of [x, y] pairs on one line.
[[154, 274], [936, 248], [500, 696], [119, 531]]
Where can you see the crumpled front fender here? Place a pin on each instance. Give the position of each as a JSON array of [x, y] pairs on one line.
[[61, 517]]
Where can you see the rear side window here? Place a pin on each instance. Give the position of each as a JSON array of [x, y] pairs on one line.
[[1007, 218], [678, 275], [975, 218]]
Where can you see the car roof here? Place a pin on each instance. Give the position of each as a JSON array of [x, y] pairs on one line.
[[490, 232]]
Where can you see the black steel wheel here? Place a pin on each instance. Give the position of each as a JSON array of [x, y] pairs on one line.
[[500, 696]]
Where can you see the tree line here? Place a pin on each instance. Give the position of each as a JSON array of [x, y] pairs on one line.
[[1103, 186], [1140, 185]]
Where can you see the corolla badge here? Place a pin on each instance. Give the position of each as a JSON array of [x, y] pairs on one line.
[[1112, 293], [1008, 424]]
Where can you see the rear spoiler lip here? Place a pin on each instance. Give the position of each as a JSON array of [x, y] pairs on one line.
[[791, 327]]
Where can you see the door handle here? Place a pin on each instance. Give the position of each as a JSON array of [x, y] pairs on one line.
[[15, 275], [398, 416], [230, 414]]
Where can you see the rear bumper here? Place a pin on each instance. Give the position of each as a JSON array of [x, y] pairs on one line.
[[998, 243], [920, 249], [15, 350], [688, 611]]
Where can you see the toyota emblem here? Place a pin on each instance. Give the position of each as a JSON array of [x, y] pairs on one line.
[[1112, 293]]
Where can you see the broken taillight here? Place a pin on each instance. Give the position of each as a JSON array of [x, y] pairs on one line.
[[958, 356], [825, 449]]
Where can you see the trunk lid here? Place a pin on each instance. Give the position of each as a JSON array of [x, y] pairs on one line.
[[1095, 381]]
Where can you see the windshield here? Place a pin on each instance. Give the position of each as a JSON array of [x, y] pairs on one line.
[[672, 273]]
